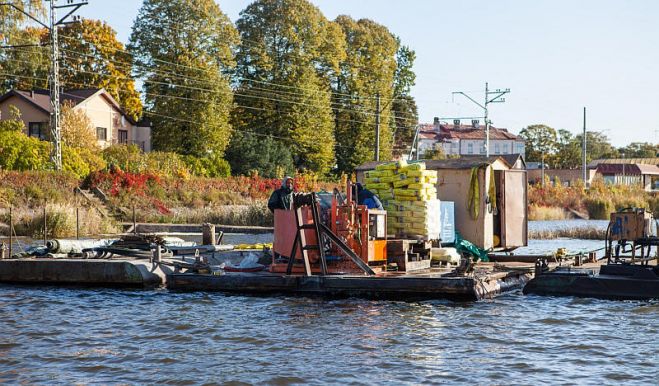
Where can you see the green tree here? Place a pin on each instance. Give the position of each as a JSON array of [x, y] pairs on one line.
[[404, 106], [597, 146], [289, 49], [182, 49], [640, 150], [541, 142], [271, 157], [368, 70], [568, 151]]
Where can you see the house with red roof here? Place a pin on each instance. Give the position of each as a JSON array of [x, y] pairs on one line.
[[468, 140], [109, 122]]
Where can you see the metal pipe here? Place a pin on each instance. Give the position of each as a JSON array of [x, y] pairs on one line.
[[77, 223], [11, 231], [45, 227]]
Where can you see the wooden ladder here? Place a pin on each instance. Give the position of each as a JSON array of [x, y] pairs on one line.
[[301, 239], [320, 230]]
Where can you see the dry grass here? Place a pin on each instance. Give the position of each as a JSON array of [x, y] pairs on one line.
[[255, 214], [584, 233], [547, 213], [60, 221]]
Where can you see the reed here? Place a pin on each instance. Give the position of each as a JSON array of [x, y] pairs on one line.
[[537, 212], [584, 233], [60, 221]]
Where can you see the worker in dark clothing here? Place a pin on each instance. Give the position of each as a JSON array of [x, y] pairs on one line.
[[282, 198], [368, 198]]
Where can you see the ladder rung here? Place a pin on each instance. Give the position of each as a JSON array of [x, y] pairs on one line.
[[307, 226], [310, 247]]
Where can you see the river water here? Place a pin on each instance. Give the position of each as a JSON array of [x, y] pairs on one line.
[[52, 335]]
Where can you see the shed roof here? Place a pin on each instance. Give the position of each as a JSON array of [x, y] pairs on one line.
[[630, 169]]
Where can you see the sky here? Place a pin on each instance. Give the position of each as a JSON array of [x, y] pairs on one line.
[[555, 56]]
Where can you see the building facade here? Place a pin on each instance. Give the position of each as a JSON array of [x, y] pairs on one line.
[[468, 140], [110, 124]]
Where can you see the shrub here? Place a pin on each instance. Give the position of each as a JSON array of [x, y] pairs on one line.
[[599, 208]]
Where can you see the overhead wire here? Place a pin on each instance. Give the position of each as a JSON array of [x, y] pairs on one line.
[[146, 111], [234, 93]]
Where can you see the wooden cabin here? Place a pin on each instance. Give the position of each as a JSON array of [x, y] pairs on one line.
[[503, 228]]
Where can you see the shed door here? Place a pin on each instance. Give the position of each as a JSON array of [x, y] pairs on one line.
[[514, 220]]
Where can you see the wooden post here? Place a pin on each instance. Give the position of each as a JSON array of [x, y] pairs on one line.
[[208, 234], [11, 232], [77, 223], [45, 227], [134, 221]]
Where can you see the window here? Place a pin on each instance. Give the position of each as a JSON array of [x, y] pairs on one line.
[[497, 149], [505, 148], [101, 133], [37, 130], [470, 148], [123, 136]]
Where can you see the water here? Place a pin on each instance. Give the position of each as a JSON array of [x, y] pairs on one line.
[[86, 336], [56, 335]]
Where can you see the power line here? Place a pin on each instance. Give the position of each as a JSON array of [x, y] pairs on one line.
[[234, 93]]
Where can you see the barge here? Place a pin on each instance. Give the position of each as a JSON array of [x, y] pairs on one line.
[[430, 284]]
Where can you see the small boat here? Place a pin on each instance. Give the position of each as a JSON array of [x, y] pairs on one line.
[[612, 281]]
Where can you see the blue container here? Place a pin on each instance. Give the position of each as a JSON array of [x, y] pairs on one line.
[[447, 217]]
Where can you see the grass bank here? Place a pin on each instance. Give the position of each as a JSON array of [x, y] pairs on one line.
[[553, 202], [156, 199]]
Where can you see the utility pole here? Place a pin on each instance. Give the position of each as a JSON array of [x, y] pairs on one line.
[[377, 127], [497, 98], [583, 150], [53, 77]]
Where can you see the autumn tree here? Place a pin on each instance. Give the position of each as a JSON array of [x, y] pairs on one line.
[[182, 50], [77, 129], [91, 57], [21, 55], [94, 58], [288, 51]]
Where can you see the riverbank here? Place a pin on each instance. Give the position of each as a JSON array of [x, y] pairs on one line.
[[143, 197], [559, 202]]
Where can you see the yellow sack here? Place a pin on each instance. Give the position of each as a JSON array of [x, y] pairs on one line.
[[372, 174], [401, 183], [387, 166], [417, 166]]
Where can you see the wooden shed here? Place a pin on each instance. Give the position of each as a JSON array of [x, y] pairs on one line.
[[503, 227]]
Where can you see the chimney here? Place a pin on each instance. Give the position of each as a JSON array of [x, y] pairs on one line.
[[435, 122], [456, 123], [474, 123]]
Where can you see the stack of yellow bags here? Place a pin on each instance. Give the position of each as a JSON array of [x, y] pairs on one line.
[[408, 192]]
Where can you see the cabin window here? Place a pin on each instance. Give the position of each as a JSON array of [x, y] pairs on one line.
[[101, 134], [123, 136], [37, 130]]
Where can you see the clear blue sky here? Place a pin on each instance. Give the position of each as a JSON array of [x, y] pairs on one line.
[[556, 56]]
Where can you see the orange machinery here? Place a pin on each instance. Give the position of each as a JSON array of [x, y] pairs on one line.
[[364, 230], [354, 231]]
